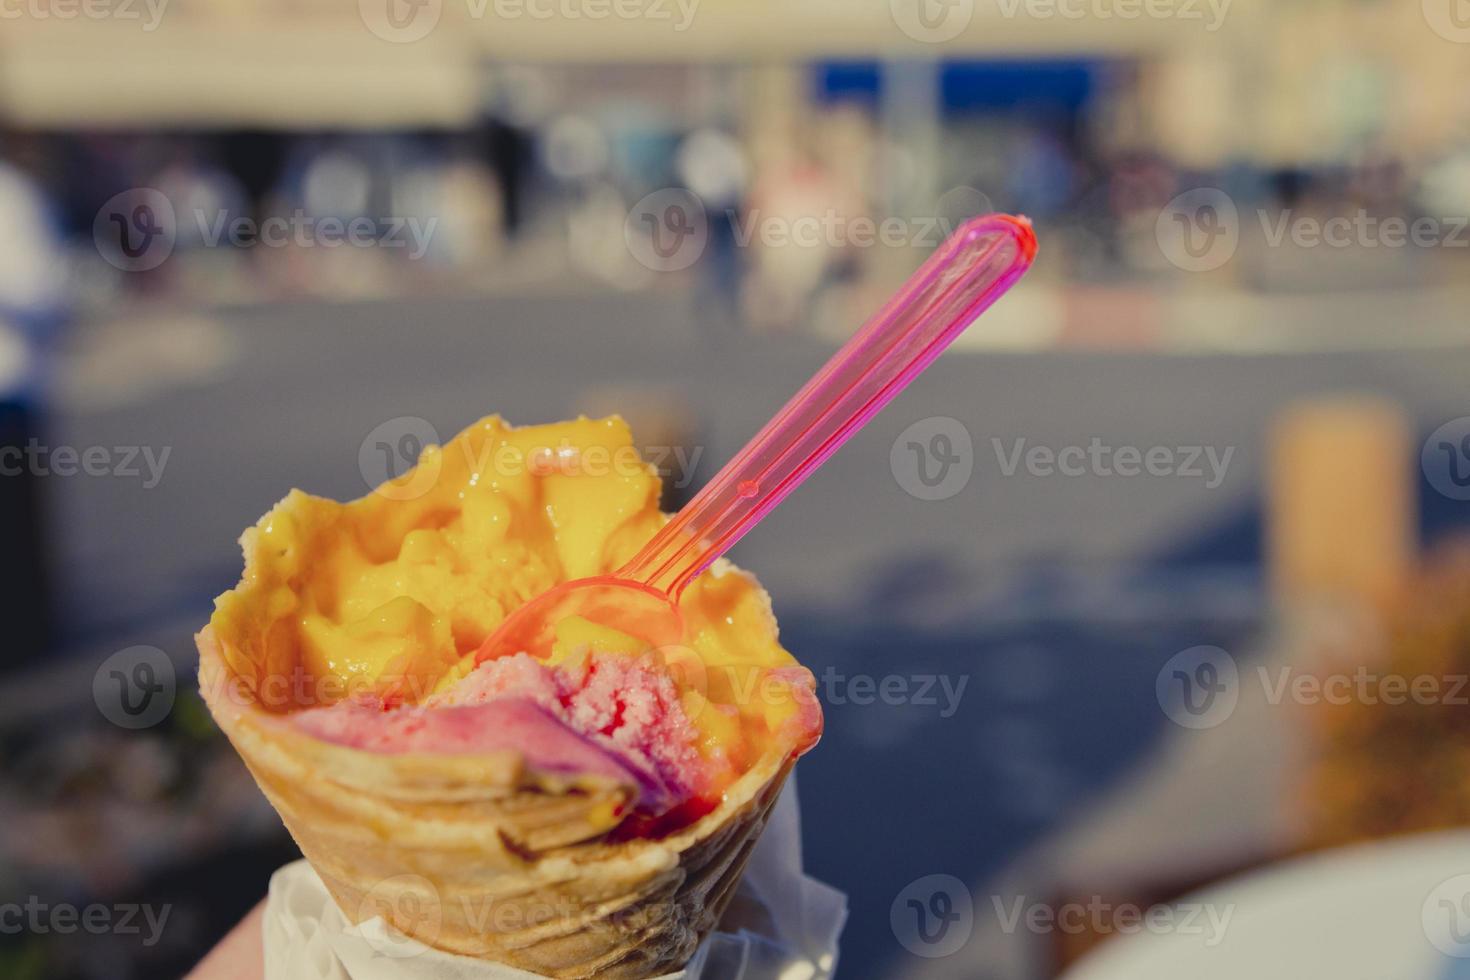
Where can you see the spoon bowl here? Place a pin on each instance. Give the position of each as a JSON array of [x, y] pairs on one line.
[[618, 603]]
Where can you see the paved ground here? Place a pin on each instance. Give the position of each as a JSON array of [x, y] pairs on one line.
[[305, 385], [1054, 599]]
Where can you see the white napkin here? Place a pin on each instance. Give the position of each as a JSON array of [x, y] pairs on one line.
[[782, 926]]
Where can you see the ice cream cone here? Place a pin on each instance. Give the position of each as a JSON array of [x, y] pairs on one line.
[[486, 856]]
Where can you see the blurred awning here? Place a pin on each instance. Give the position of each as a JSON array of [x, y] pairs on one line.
[[418, 62], [747, 31], [291, 75]]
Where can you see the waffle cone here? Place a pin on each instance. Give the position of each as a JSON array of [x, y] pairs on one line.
[[485, 856]]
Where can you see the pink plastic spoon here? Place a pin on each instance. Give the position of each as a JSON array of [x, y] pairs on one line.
[[968, 273]]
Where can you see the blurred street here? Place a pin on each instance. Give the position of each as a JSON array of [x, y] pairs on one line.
[[1053, 602]]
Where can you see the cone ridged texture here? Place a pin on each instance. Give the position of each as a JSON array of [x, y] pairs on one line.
[[484, 856]]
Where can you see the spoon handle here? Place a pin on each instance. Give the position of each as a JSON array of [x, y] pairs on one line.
[[964, 276]]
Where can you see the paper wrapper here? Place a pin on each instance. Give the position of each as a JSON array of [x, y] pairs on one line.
[[781, 924]]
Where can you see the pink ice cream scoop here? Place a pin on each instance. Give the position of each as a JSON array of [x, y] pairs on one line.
[[608, 714]]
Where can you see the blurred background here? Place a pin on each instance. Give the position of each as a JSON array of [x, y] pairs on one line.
[[1108, 607]]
